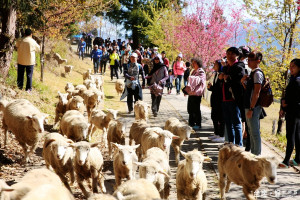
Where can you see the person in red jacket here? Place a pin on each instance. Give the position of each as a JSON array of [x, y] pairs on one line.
[[178, 69], [165, 60]]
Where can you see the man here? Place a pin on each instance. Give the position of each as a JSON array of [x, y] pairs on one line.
[[26, 59], [165, 60], [232, 95], [253, 84], [81, 47], [133, 86]]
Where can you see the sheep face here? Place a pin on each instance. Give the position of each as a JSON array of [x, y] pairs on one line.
[[82, 150], [165, 138], [112, 114], [37, 121], [126, 153], [187, 130], [59, 150], [270, 168], [63, 98]]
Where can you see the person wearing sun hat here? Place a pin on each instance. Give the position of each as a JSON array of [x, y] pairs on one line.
[[178, 70], [132, 84]]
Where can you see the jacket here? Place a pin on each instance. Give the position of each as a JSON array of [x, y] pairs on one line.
[[197, 82], [179, 68], [292, 97], [26, 51], [96, 54], [216, 92], [113, 57]]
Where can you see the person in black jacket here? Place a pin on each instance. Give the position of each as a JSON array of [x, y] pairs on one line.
[[290, 107], [216, 104], [232, 95]]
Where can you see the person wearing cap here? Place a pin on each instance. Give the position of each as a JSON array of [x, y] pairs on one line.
[[132, 84], [158, 76], [165, 60], [26, 59], [96, 55], [114, 64], [178, 69], [232, 95]]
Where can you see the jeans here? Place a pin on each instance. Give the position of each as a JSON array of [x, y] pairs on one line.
[[185, 82], [103, 66], [81, 53], [130, 95], [113, 68], [178, 83], [254, 130], [155, 103], [233, 122], [96, 64], [20, 78], [193, 108]]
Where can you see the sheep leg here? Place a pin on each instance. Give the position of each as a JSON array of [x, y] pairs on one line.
[[176, 150], [72, 175], [222, 177], [109, 151], [248, 193], [227, 185], [118, 180], [179, 196], [64, 180], [95, 177], [5, 136], [104, 137], [102, 186], [81, 186], [26, 158]]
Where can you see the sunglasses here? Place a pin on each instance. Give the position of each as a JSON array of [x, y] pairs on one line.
[[156, 58]]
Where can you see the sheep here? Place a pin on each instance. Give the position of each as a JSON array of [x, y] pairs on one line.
[[98, 119], [155, 168], [29, 182], [59, 156], [102, 197], [58, 58], [89, 84], [80, 87], [141, 110], [156, 137], [68, 69], [3, 103], [88, 163], [124, 162], [245, 169], [69, 87], [91, 99], [61, 106], [75, 103], [119, 86], [191, 181], [99, 82], [140, 189], [115, 133], [25, 121], [74, 125], [87, 74], [177, 128]]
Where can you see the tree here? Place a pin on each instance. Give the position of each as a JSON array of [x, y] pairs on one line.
[[280, 21], [205, 32]]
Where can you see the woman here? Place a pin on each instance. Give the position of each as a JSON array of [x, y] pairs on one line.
[[216, 104], [196, 85], [125, 59], [158, 75], [178, 69], [133, 87], [290, 107], [114, 58]]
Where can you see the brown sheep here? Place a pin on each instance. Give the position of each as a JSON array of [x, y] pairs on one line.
[[115, 133]]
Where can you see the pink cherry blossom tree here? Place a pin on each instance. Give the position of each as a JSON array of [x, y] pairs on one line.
[[206, 31]]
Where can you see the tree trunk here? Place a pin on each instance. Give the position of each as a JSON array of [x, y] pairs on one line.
[[42, 58], [7, 36]]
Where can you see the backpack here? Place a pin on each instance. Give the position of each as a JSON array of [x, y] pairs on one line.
[[266, 96]]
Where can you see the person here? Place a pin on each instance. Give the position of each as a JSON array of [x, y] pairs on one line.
[[132, 84], [88, 43], [166, 60], [290, 108], [114, 60], [196, 83], [169, 82], [104, 59], [186, 73], [158, 76], [178, 69], [140, 56], [26, 59], [244, 53], [125, 59], [81, 48], [253, 110], [216, 104], [96, 55], [232, 95]]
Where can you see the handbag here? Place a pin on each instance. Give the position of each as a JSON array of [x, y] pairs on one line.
[[156, 89], [186, 89]]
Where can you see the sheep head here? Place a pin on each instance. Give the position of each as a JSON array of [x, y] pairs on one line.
[[82, 150], [269, 167], [63, 98], [165, 138], [126, 153], [37, 121]]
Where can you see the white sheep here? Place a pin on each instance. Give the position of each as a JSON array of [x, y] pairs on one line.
[[89, 84], [80, 87], [191, 181], [32, 180], [74, 125], [88, 163], [69, 87], [59, 156], [141, 110], [61, 106], [115, 134], [140, 189], [26, 122], [125, 162], [119, 86], [156, 137], [99, 82], [98, 119], [155, 168], [91, 99], [177, 128], [87, 74], [68, 69], [75, 103]]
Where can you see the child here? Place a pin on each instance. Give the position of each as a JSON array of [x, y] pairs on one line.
[[169, 82], [186, 73]]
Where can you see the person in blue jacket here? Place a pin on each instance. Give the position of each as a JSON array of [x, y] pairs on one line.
[[81, 48], [96, 57]]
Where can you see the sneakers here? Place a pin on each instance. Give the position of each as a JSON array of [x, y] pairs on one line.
[[282, 166], [213, 137], [196, 128], [219, 139], [155, 114], [294, 163]]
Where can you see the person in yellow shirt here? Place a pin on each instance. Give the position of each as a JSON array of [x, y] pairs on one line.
[[114, 64], [26, 47]]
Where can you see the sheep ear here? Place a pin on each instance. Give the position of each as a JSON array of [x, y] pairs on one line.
[[69, 141], [157, 133], [95, 144], [183, 154], [49, 142], [164, 173], [29, 116], [206, 158], [116, 145], [136, 146], [175, 137], [73, 145]]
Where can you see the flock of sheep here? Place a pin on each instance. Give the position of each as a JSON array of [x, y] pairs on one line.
[[70, 156]]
